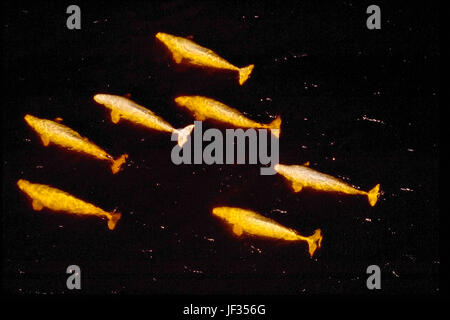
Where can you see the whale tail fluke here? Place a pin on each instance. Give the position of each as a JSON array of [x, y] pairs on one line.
[[244, 73], [314, 241], [113, 219], [275, 127], [117, 164], [373, 195], [183, 134]]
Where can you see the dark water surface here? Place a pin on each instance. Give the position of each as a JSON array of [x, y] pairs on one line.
[[358, 104]]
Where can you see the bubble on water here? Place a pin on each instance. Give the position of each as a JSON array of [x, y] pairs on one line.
[[196, 271], [279, 210], [209, 239], [254, 249], [366, 118], [410, 257]]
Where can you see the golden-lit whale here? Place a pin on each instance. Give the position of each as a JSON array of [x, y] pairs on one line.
[[44, 196], [185, 49], [301, 176], [246, 221], [208, 108], [124, 108], [61, 135]]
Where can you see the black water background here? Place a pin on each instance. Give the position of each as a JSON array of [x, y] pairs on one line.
[[316, 65]]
